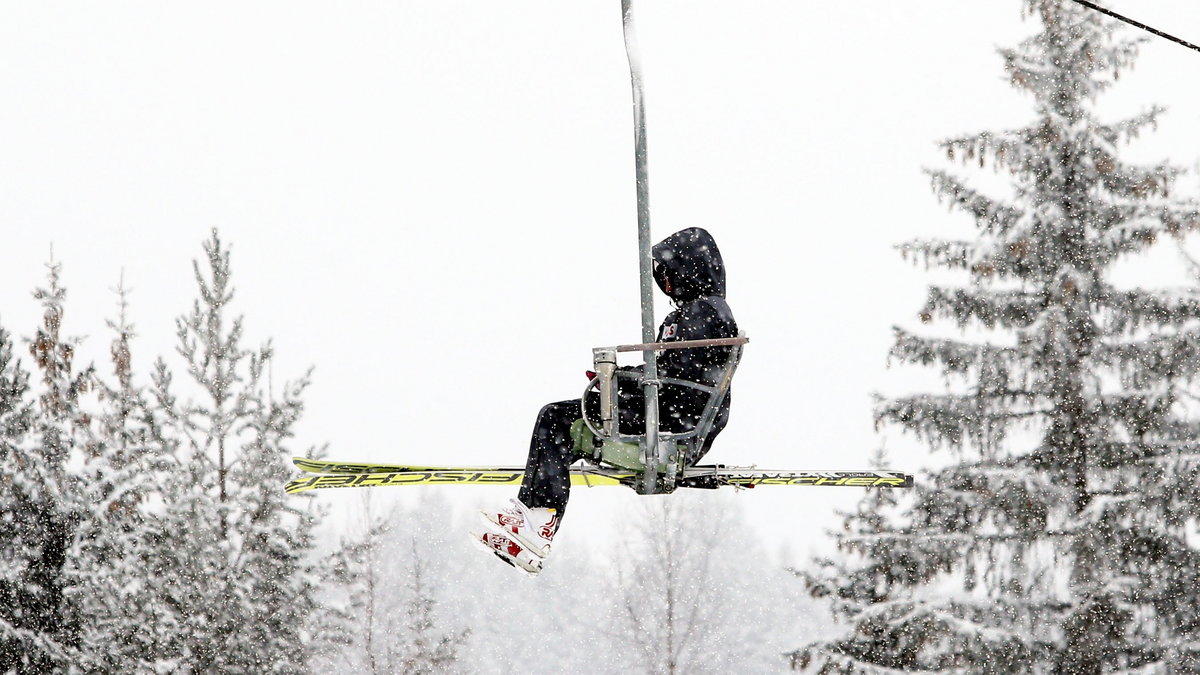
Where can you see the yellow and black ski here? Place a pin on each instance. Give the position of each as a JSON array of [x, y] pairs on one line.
[[322, 466], [358, 474]]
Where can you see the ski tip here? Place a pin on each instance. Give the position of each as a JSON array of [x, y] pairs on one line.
[[295, 486]]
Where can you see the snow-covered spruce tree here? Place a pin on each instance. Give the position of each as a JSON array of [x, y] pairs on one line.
[[184, 556], [27, 511], [234, 561], [111, 599], [1069, 552], [276, 570], [40, 500]]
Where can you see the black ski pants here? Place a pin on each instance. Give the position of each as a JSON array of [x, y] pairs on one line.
[[547, 481]]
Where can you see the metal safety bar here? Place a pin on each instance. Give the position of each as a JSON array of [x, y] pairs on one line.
[[608, 428], [680, 344]]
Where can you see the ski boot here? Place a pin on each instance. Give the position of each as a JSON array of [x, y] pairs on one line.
[[522, 535], [533, 528], [509, 550]]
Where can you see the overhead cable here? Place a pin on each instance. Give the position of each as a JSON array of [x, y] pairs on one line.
[[1143, 26]]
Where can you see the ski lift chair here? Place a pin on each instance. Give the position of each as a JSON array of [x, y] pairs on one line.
[[601, 442]]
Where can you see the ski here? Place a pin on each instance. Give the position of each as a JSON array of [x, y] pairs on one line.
[[344, 474], [447, 476], [322, 466]]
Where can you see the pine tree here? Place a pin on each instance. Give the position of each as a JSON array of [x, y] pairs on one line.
[[185, 557], [274, 569], [26, 640], [112, 599], [234, 550], [1064, 552], [42, 504]]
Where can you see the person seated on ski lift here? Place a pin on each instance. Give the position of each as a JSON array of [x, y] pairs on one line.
[[688, 268]]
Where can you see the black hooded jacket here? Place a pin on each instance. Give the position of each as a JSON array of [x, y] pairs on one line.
[[689, 269]]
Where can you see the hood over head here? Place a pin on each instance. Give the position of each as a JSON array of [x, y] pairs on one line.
[[693, 264]]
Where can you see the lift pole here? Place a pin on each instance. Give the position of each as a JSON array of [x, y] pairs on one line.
[[650, 383]]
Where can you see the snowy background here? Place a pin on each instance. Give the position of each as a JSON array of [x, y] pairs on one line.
[[433, 204]]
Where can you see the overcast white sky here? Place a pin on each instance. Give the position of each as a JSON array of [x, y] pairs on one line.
[[433, 202]]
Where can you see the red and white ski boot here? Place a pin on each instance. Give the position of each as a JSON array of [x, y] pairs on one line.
[[509, 550], [533, 528]]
